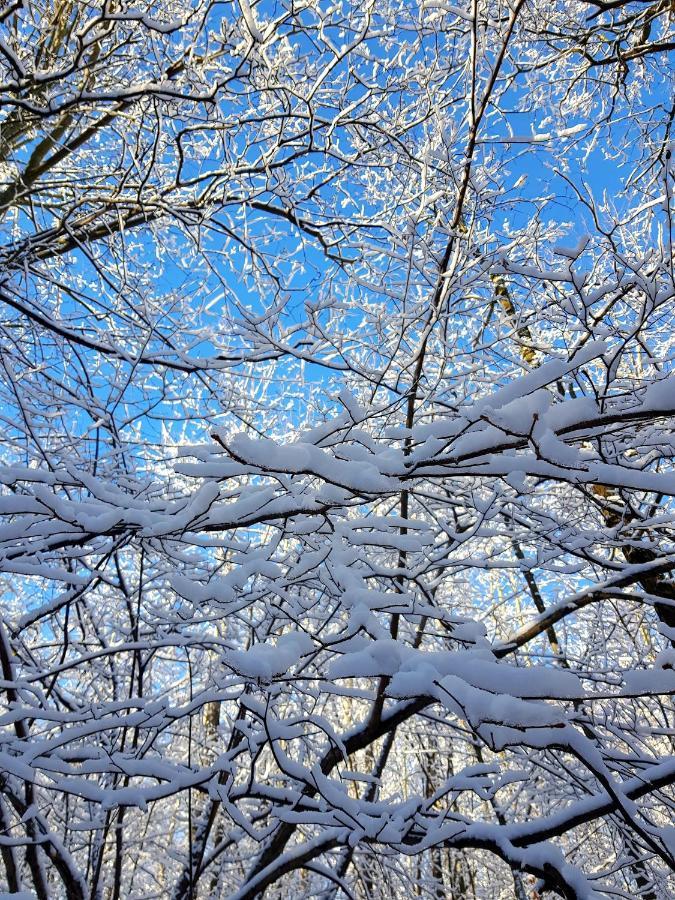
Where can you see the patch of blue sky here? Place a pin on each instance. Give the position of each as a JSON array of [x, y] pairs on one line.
[[585, 153]]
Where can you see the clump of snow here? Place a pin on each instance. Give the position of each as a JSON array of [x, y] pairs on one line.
[[265, 661]]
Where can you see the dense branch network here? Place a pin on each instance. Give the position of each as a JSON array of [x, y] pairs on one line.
[[337, 492]]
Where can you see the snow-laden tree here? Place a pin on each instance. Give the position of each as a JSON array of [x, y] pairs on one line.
[[337, 399]]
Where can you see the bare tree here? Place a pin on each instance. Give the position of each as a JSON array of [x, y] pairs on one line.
[[337, 479]]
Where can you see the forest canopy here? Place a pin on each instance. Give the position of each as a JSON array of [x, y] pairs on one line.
[[337, 498]]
